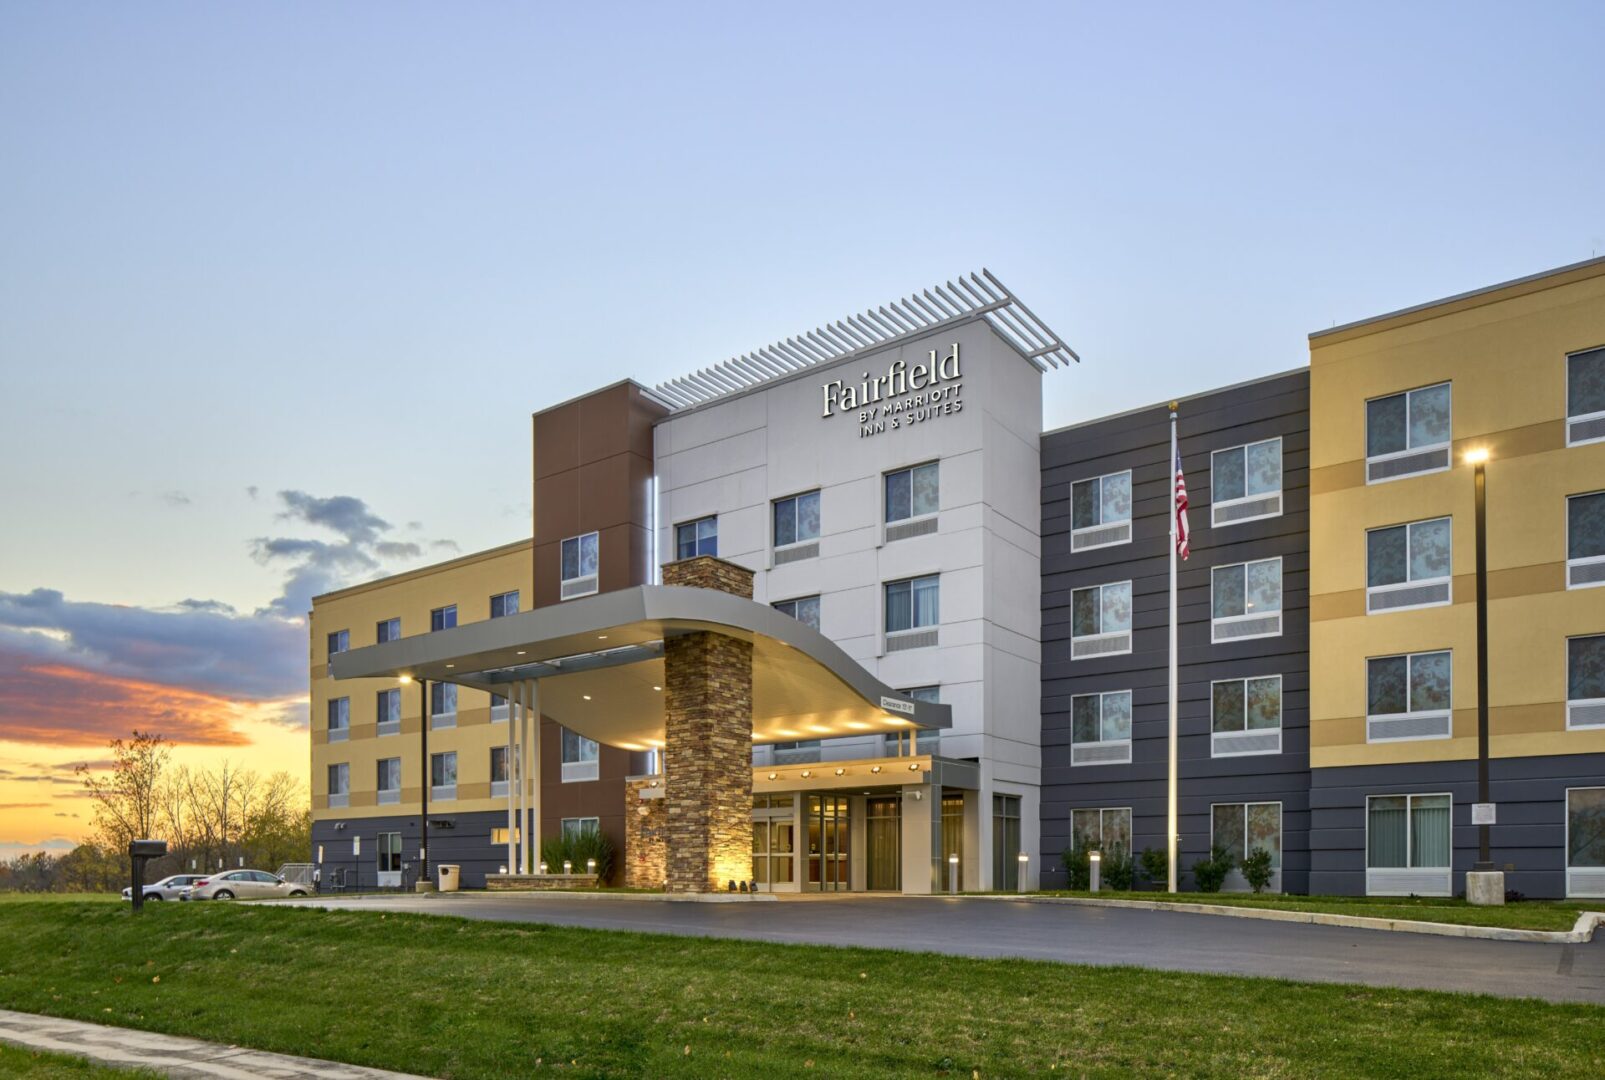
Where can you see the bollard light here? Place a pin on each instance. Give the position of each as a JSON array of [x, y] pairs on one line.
[[568, 866], [953, 873], [590, 866], [501, 869], [1025, 863], [1095, 865], [543, 866]]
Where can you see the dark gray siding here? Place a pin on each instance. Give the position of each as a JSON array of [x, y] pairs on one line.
[[466, 843], [1140, 441], [1528, 843]]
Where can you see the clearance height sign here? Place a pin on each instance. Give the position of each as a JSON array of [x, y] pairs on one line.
[[903, 396]]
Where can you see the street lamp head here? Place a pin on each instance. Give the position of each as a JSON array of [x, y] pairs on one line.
[[1478, 456]]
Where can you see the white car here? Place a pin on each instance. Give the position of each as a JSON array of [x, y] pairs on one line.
[[242, 885], [169, 888]]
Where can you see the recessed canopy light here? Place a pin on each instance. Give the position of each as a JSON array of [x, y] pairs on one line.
[[874, 768], [659, 688], [520, 652], [806, 773], [913, 766], [451, 665], [601, 637], [840, 772], [587, 697], [773, 775]]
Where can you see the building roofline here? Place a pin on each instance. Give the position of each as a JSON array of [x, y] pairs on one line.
[[646, 391], [421, 571], [1544, 279], [1303, 368]]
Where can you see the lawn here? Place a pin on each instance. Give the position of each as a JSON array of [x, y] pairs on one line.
[[453, 998], [1525, 915], [33, 1065]]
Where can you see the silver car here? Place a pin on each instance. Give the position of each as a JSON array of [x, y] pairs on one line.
[[169, 888], [242, 885]]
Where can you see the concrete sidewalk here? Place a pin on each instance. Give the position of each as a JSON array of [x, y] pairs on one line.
[[170, 1055]]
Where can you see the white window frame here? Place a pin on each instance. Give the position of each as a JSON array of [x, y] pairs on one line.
[[1216, 505], [1410, 714], [1103, 635], [796, 547], [910, 469], [387, 630], [1079, 535], [384, 726], [1103, 812], [498, 788], [338, 641], [572, 588], [500, 713], [502, 596], [1096, 751], [444, 717], [388, 796], [1409, 450], [1446, 580], [1447, 888], [1579, 704], [580, 770], [913, 631], [1235, 881], [342, 733], [1593, 884], [443, 616], [1586, 560], [1580, 418], [443, 792], [1216, 622], [340, 799], [779, 605], [695, 522], [1220, 742], [579, 829]]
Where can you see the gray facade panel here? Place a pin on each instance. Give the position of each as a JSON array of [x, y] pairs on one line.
[[1140, 441], [466, 843]]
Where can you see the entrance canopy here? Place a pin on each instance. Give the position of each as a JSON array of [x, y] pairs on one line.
[[599, 661]]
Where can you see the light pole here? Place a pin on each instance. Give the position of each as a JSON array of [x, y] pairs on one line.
[[1484, 885]]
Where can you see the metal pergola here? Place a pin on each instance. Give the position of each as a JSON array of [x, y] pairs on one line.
[[976, 296]]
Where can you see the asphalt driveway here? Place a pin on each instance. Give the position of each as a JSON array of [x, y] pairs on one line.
[[1179, 941]]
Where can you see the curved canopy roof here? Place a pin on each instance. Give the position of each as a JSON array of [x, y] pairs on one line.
[[599, 666]]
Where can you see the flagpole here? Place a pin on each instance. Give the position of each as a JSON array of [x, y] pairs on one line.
[[1170, 792]]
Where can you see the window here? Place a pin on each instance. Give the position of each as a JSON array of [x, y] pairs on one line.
[[912, 493], [389, 850], [498, 836], [1005, 841], [388, 712], [1100, 621], [339, 785], [1408, 697], [505, 604], [1407, 434], [443, 775], [1407, 845], [387, 630], [579, 758], [1585, 397], [926, 740], [389, 780], [443, 618], [1245, 483], [913, 610], [1100, 728], [1107, 830], [1246, 600], [1100, 511], [796, 527], [1585, 540], [576, 827], [1585, 842], [498, 771], [1246, 716], [339, 719], [499, 709], [1585, 682], [700, 537], [339, 641], [442, 705], [1409, 566], [580, 566], [804, 609], [1244, 827]]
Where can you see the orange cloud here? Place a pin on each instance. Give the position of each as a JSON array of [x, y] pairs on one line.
[[61, 705]]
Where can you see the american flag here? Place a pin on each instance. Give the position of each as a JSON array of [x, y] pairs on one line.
[[1182, 532]]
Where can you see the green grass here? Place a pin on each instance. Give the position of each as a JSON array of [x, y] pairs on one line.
[[454, 998], [1525, 915], [15, 1061], [59, 898]]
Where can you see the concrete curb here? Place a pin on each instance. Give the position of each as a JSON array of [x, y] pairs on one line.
[[1580, 933], [550, 894]]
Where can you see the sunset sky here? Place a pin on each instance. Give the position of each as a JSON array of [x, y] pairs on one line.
[[281, 284]]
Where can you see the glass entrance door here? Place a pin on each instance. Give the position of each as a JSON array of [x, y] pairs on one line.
[[827, 843], [884, 827], [773, 829]]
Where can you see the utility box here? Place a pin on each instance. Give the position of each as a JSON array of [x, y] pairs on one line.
[[451, 877]]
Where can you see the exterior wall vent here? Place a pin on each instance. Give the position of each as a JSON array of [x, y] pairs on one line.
[[1408, 726], [1097, 536], [1101, 753], [910, 639], [1408, 463], [1431, 881], [579, 771], [574, 588], [1232, 743], [1254, 626], [1586, 714], [337, 802], [1587, 882], [1581, 573], [1585, 431], [1084, 648], [1413, 595], [1238, 510], [902, 530], [796, 553]]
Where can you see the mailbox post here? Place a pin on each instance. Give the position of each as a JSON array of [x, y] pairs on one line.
[[140, 852]]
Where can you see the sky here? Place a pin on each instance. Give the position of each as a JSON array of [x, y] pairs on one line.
[[281, 284]]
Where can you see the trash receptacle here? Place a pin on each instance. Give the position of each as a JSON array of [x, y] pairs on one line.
[[450, 877]]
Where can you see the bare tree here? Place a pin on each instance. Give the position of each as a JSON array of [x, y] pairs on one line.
[[126, 797]]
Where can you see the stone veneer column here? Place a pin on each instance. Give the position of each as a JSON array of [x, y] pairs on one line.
[[707, 751], [645, 864]]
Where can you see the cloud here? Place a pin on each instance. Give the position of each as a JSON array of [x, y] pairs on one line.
[[176, 498], [57, 705], [55, 845], [23, 805], [444, 545], [252, 491], [63, 813], [395, 549], [345, 514]]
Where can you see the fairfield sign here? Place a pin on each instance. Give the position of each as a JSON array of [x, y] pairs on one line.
[[905, 395]]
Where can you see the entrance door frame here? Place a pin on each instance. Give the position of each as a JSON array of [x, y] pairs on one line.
[[833, 859]]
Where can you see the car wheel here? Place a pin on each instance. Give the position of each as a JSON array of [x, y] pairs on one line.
[[155, 896], [222, 894], [297, 892]]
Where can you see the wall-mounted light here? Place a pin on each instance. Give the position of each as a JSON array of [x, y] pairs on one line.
[[806, 773], [1478, 456], [841, 772], [875, 768], [773, 775], [404, 679]]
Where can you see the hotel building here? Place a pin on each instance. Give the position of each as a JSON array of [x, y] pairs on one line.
[[839, 615]]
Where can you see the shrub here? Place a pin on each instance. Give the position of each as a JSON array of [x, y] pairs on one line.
[[1077, 866], [1155, 867], [1118, 870], [1209, 874], [1257, 869], [576, 848]]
